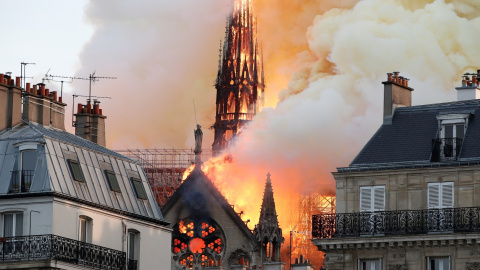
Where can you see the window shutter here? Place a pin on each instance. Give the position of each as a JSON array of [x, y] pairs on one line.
[[379, 198], [366, 199], [433, 195], [447, 195]]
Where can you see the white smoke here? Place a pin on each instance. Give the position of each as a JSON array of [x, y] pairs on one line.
[[164, 55]]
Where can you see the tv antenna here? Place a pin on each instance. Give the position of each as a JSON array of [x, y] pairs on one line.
[[23, 73], [61, 80], [94, 79]]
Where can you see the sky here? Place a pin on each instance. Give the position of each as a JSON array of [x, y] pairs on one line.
[[324, 63]]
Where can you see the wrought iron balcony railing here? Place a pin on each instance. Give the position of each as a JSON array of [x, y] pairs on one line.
[[446, 149], [52, 247], [21, 181], [387, 223]]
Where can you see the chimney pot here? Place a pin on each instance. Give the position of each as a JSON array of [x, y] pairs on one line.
[[79, 108], [389, 77], [47, 92], [28, 88], [54, 95], [89, 108], [17, 81], [100, 111], [474, 80], [2, 78], [60, 99], [42, 90]]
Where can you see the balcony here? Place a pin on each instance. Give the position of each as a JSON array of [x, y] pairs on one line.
[[52, 247], [393, 223], [446, 149], [21, 181]]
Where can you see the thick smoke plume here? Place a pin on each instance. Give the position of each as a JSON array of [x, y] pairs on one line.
[[338, 52]]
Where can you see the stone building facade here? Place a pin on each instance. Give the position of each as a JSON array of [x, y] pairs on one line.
[[411, 197]]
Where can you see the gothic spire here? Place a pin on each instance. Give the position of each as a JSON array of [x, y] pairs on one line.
[[268, 232]]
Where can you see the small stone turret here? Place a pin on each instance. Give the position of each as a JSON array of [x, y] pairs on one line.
[[268, 232]]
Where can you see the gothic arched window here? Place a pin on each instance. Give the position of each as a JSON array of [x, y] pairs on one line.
[[197, 244]]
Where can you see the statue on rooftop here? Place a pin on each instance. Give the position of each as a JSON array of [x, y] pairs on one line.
[[198, 139]]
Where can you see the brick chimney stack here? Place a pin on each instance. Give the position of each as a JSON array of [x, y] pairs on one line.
[[41, 106], [90, 122], [397, 93], [10, 102], [470, 89]]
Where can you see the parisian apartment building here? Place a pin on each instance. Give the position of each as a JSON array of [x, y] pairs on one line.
[[410, 199], [67, 201]]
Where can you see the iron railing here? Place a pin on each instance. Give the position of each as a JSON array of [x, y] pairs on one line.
[[21, 181], [446, 149], [385, 223], [53, 247]]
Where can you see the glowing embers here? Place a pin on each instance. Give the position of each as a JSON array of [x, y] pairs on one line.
[[197, 244]]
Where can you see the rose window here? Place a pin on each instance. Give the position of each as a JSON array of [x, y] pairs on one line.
[[197, 244]]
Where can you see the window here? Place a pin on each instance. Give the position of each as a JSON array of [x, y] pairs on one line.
[[133, 245], [22, 178], [451, 134], [12, 224], [85, 227], [139, 189], [372, 199], [438, 263], [440, 195], [112, 181], [76, 170], [370, 264]]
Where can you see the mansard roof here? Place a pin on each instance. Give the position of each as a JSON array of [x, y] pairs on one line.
[[406, 141], [53, 176]]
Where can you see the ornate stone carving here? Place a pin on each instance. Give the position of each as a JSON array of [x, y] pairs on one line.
[[472, 266], [397, 267]]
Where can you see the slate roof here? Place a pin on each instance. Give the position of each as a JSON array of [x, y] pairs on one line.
[[53, 176], [407, 141]]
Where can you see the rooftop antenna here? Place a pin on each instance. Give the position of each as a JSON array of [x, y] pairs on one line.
[[93, 79], [23, 73], [61, 80]]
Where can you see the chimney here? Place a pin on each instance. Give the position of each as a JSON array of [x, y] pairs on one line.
[[41, 106], [470, 89], [10, 102], [90, 123], [396, 94]]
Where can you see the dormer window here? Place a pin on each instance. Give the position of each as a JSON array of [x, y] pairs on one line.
[[22, 177], [452, 128]]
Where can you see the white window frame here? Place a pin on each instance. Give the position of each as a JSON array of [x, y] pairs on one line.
[[451, 119], [429, 259], [361, 261], [135, 245], [14, 223], [85, 229], [376, 195], [444, 191]]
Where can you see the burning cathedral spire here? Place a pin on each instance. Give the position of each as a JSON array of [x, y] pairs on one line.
[[240, 81]]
